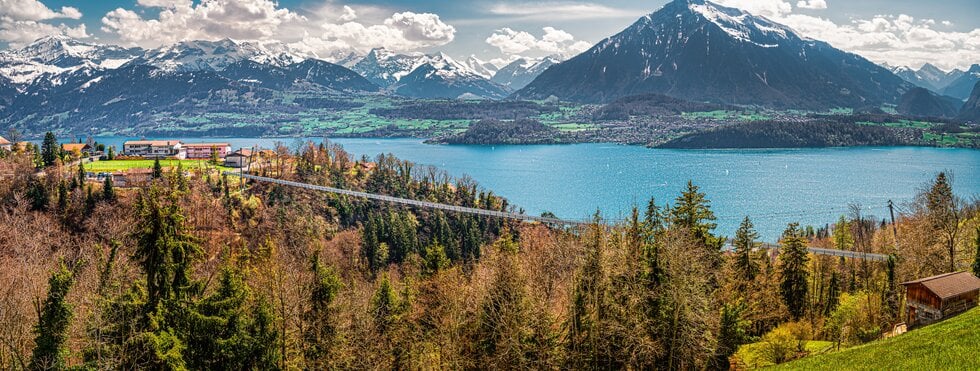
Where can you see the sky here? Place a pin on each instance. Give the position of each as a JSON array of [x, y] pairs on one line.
[[945, 33]]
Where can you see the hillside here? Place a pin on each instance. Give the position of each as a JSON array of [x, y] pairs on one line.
[[701, 51], [948, 345]]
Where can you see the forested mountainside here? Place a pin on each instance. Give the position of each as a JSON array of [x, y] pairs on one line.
[[191, 269]]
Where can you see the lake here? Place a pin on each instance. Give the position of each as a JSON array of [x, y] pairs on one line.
[[772, 186]]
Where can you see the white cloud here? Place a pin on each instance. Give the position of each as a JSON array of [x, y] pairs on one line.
[[327, 31], [811, 4], [23, 21], [552, 11], [553, 41], [765, 8]]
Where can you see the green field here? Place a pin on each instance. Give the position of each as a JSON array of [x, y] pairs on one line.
[[123, 165], [751, 355], [953, 344]]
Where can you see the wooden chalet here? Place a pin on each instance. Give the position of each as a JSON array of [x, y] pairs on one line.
[[933, 298]]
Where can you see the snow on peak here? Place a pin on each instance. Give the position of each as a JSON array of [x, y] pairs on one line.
[[216, 55], [741, 25]]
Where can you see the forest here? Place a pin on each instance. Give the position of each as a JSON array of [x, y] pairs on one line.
[[796, 134], [464, 110], [195, 270], [522, 131]]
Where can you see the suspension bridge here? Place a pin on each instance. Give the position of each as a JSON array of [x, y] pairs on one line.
[[494, 213]]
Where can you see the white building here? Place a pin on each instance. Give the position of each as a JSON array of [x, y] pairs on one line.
[[239, 159], [5, 144], [154, 148]]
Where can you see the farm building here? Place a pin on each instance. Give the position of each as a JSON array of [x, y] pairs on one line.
[[77, 149], [203, 151], [933, 298]]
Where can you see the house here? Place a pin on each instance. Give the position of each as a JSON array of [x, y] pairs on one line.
[[933, 298], [154, 148], [239, 159], [5, 144], [203, 151], [76, 149]]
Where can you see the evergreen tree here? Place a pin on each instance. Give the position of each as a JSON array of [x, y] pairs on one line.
[[692, 211], [793, 257], [90, 200], [385, 307], [732, 333], [434, 260], [80, 173], [891, 290], [50, 149], [38, 195], [62, 197], [944, 214], [157, 170], [108, 190], [50, 351], [111, 155], [833, 293], [320, 320], [588, 301], [843, 240], [745, 241], [976, 258]]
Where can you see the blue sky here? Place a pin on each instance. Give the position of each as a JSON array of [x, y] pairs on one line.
[[902, 32]]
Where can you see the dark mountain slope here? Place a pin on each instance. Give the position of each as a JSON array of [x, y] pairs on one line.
[[924, 103], [701, 51]]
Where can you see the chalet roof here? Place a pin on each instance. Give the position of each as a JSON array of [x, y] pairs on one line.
[[152, 142], [71, 147], [244, 152], [206, 145], [948, 285], [4, 141]]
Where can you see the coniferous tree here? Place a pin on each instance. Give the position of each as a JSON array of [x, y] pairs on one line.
[[111, 154], [157, 169], [385, 307], [732, 333], [745, 241], [843, 240], [50, 351], [584, 328], [50, 150], [692, 211], [891, 290], [434, 260], [976, 258], [62, 197], [108, 190], [81, 173], [833, 293], [320, 319], [38, 195], [793, 257], [944, 214], [506, 319]]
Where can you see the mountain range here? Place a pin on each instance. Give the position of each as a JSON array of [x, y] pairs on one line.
[[692, 50], [701, 51]]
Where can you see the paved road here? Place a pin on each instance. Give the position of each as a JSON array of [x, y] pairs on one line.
[[499, 214]]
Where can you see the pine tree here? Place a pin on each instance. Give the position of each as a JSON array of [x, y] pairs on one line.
[[843, 240], [81, 173], [157, 169], [62, 197], [50, 351], [891, 290], [944, 214], [692, 211], [434, 260], [506, 320], [745, 237], [793, 257], [165, 248], [732, 333], [111, 155], [385, 307], [38, 195], [50, 149], [588, 301], [976, 258], [833, 294], [108, 190], [320, 320]]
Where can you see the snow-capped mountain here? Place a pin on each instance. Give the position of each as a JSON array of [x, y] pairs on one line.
[[928, 76], [962, 86], [483, 68], [441, 76], [698, 50], [55, 55], [419, 75], [216, 55], [521, 72]]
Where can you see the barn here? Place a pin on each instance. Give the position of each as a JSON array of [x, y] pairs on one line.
[[933, 298]]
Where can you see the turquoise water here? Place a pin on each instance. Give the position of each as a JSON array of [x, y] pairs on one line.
[[774, 187]]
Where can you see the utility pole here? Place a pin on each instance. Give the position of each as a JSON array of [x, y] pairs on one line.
[[891, 210]]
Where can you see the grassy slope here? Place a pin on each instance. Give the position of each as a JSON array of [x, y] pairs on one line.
[[953, 344], [122, 165]]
